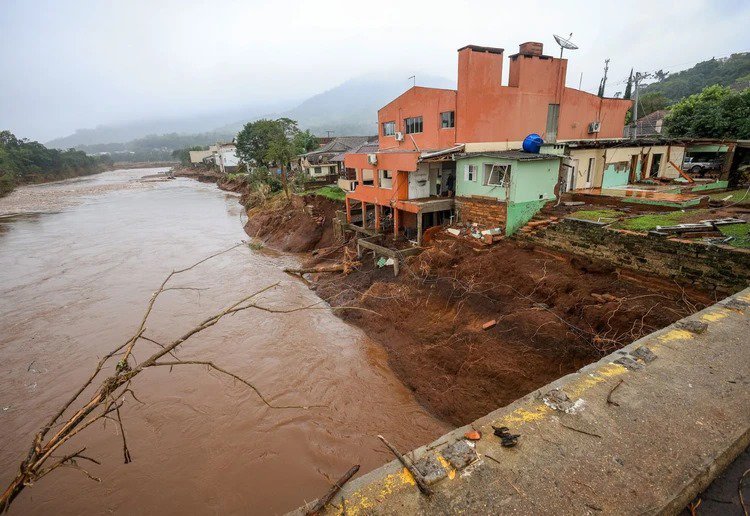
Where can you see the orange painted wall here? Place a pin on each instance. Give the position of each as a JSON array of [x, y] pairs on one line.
[[490, 112], [485, 111], [401, 163], [419, 101]]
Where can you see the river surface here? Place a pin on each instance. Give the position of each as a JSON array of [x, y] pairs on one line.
[[77, 267]]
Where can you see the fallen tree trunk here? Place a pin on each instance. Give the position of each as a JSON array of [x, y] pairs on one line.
[[341, 267], [335, 488]]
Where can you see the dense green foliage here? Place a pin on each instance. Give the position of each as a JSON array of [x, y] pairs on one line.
[[184, 154], [716, 112], [733, 71], [23, 161], [266, 143]]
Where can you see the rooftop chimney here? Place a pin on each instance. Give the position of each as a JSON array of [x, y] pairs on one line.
[[530, 48]]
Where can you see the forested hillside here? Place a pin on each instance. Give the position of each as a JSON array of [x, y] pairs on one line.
[[733, 71], [23, 161]]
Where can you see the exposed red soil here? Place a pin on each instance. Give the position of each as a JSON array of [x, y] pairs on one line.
[[551, 319], [298, 225]]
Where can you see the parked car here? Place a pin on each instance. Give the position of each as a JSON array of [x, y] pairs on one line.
[[700, 166]]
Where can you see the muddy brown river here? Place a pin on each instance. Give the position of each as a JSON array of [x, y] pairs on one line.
[[78, 263]]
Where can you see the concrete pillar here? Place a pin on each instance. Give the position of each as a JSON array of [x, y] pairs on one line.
[[396, 221], [419, 228], [348, 210], [377, 217], [364, 214]]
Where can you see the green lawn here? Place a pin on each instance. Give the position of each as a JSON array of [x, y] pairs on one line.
[[605, 215], [671, 218], [741, 196], [740, 232], [331, 192]]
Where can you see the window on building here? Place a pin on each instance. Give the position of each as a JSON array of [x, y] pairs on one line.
[[590, 170], [470, 173], [317, 171], [413, 124], [367, 177], [389, 128], [655, 165], [494, 175], [385, 178], [447, 119]]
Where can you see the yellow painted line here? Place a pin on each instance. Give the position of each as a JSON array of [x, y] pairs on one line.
[[674, 335], [447, 466], [715, 316], [746, 297], [370, 495]]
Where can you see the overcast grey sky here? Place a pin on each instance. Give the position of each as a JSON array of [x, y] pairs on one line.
[[68, 64]]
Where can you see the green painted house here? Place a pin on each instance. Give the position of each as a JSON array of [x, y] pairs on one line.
[[504, 188]]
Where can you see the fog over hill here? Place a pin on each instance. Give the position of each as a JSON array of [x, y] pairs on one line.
[[347, 109]]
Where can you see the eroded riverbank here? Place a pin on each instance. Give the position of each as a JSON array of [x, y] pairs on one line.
[[75, 282]]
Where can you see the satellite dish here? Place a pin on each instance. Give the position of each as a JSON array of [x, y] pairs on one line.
[[565, 43]]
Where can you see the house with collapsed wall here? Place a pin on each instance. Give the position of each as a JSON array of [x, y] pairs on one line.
[[504, 189], [410, 180]]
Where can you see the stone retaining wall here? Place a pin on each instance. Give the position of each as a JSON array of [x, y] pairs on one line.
[[711, 267]]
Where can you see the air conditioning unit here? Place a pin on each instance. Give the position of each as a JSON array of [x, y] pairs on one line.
[[399, 136], [372, 159], [595, 127]]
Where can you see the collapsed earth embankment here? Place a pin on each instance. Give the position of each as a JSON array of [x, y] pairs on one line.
[[471, 329]]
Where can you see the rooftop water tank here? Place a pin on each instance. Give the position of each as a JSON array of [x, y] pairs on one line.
[[532, 143]]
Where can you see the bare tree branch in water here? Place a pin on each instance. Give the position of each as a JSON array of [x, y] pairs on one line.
[[109, 396]]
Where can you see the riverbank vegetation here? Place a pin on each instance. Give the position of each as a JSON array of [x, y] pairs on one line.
[[268, 144], [23, 162]]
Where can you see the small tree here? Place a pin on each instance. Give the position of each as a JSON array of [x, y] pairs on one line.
[[629, 86]]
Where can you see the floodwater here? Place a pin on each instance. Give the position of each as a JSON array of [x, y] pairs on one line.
[[74, 282]]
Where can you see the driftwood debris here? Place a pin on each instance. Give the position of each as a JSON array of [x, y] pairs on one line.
[[335, 488], [421, 484], [103, 393]]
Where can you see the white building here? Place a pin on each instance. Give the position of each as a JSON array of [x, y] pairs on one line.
[[224, 155]]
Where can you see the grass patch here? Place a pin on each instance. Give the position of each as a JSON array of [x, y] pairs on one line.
[[331, 192], [736, 196], [740, 232], [651, 220], [598, 215]]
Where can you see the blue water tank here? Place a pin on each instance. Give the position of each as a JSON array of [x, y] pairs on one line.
[[532, 143]]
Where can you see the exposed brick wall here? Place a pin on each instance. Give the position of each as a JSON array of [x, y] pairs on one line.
[[721, 268], [488, 212]]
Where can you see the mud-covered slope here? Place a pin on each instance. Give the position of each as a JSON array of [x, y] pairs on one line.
[[553, 315], [301, 224]]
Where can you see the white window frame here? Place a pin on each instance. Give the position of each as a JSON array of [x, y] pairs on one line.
[[389, 128], [471, 172], [502, 169], [411, 123]]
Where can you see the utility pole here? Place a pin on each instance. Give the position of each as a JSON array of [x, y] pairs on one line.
[[604, 79], [414, 80]]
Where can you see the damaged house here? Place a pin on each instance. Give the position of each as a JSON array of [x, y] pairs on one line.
[[504, 189], [410, 180]]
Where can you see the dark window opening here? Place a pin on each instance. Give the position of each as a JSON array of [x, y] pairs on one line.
[[447, 119], [413, 125]]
